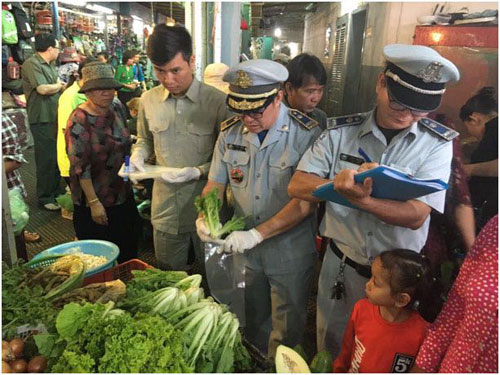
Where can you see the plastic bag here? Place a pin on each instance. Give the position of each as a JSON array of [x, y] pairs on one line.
[[18, 210], [65, 201], [226, 279]]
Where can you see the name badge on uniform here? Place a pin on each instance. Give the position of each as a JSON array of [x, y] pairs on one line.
[[351, 159], [236, 147]]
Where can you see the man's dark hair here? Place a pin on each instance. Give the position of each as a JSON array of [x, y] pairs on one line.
[[44, 41], [167, 41], [303, 67], [103, 53]]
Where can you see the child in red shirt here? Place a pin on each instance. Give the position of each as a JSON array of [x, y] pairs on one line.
[[384, 333]]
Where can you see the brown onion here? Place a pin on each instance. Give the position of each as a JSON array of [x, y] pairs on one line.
[[17, 346], [5, 367], [7, 354], [37, 364], [19, 365]]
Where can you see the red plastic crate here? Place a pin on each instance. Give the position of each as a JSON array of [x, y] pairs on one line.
[[122, 271]]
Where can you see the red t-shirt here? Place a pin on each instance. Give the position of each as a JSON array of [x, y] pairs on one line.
[[372, 344]]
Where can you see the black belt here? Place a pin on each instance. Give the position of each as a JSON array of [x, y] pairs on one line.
[[365, 271]]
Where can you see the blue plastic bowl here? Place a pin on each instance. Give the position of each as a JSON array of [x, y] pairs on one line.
[[92, 247]]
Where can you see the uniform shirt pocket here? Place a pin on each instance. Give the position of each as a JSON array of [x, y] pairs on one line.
[[158, 127], [281, 170], [237, 164], [204, 137]]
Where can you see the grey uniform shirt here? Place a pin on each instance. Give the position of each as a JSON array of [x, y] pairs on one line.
[[259, 174], [416, 151], [316, 114], [182, 133]]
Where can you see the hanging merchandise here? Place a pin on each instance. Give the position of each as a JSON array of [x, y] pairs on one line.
[[44, 18], [24, 30], [9, 28], [62, 19], [23, 50], [13, 69], [5, 54]]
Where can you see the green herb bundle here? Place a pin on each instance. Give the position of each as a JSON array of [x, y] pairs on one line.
[[209, 207]]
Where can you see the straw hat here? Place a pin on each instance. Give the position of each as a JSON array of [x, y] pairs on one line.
[[98, 76], [213, 76]]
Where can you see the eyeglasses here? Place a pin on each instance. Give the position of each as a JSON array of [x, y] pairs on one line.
[[257, 115], [393, 104]]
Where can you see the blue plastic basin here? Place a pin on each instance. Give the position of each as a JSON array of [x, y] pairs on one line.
[[92, 247]]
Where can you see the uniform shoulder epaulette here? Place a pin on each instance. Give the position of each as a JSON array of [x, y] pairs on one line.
[[226, 124], [438, 128], [339, 122], [304, 120]]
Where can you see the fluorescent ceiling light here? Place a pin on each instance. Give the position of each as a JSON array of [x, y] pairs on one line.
[[99, 8]]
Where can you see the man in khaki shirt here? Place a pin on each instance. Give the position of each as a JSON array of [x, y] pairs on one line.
[[178, 121]]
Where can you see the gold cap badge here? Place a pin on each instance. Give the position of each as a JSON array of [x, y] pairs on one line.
[[243, 80]]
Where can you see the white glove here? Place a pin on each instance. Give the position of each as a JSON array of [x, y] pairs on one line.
[[178, 175], [202, 230], [239, 241], [204, 234], [136, 164]]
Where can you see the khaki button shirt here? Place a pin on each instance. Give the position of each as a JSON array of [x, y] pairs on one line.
[[41, 108], [182, 133]]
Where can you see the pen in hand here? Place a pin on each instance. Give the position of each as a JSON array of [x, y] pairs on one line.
[[364, 155], [127, 167]]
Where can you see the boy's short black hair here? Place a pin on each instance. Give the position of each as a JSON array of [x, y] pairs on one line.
[[304, 67], [167, 41], [44, 41]]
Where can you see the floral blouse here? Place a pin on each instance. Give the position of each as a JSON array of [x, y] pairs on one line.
[[96, 147]]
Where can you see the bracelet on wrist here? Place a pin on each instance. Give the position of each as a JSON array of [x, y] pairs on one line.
[[93, 201]]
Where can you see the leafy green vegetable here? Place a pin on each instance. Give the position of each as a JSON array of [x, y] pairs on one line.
[[22, 304], [209, 207], [105, 339], [74, 362]]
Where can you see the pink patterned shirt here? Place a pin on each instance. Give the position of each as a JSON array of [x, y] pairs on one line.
[[464, 337]]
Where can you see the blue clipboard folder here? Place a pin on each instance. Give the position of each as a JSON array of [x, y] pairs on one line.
[[388, 183]]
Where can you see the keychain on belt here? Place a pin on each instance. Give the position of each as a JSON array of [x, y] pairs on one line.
[[338, 289]]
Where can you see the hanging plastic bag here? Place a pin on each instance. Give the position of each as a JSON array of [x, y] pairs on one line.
[[65, 201], [18, 210], [226, 278]]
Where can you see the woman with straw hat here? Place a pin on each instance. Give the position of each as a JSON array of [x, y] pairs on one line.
[[97, 142]]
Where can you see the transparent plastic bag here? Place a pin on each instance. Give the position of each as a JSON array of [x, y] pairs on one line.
[[18, 210], [226, 278]]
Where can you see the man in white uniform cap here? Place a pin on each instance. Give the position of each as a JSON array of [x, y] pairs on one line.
[[396, 133], [256, 153]]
